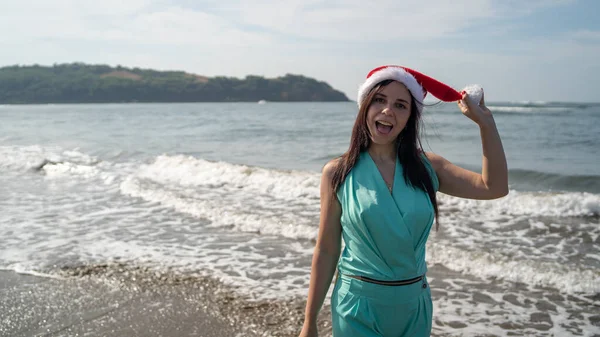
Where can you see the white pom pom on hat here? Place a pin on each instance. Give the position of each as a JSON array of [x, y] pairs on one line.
[[475, 93], [417, 83]]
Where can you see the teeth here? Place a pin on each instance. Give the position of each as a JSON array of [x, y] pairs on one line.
[[385, 123]]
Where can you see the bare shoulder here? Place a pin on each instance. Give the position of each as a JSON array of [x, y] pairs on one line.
[[330, 168], [436, 160]]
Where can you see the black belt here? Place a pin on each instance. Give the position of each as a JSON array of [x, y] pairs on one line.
[[387, 283]]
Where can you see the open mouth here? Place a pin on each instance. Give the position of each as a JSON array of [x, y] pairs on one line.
[[383, 127]]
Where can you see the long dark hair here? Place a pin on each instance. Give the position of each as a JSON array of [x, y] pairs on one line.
[[408, 144]]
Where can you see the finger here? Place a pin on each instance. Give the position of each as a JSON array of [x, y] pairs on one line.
[[482, 103], [461, 101], [467, 101]]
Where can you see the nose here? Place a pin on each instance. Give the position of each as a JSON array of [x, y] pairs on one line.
[[387, 111]]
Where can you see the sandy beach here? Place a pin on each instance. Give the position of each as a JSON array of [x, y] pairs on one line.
[[36, 306], [134, 304]]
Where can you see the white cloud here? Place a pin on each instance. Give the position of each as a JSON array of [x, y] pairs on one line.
[[353, 20], [185, 27], [138, 22]]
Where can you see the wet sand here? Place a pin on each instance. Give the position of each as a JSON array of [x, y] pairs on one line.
[[39, 306], [106, 301]]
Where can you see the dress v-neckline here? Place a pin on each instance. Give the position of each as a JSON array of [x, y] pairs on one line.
[[391, 188]]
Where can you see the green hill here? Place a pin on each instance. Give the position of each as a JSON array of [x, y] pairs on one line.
[[82, 83]]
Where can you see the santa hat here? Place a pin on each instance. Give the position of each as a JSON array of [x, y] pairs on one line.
[[417, 83]]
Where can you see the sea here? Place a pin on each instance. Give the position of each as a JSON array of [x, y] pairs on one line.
[[231, 191]]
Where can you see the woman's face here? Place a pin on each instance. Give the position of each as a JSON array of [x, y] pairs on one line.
[[388, 113]]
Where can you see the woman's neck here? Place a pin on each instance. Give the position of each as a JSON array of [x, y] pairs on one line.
[[383, 152]]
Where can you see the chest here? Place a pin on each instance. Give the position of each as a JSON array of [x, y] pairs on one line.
[[388, 172]]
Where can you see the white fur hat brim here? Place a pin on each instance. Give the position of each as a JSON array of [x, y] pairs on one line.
[[391, 73]]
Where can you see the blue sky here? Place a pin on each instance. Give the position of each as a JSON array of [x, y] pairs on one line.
[[517, 50]]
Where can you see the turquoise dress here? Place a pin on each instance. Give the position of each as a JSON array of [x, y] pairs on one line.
[[385, 236]]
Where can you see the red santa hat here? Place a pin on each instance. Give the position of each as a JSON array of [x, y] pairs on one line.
[[417, 83]]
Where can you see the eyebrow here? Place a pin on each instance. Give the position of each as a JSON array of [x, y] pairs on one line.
[[399, 99]]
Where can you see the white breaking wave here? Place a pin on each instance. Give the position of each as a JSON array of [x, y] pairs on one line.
[[568, 204], [189, 171], [246, 198], [70, 170], [527, 109], [23, 158], [277, 188], [531, 272]]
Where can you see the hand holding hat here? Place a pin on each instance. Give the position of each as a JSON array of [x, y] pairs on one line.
[[473, 106]]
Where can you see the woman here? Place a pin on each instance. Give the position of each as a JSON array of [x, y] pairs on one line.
[[380, 196]]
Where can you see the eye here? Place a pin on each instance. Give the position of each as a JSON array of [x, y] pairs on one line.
[[400, 106], [378, 100]]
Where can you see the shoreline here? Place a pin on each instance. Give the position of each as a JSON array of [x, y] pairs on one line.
[[122, 300]]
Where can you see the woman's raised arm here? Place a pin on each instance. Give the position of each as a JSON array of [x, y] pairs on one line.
[[492, 182]]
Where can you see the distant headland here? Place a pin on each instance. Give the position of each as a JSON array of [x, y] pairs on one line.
[[83, 83]]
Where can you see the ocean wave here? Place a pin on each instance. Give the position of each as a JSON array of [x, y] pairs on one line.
[[535, 180], [272, 191], [248, 199], [563, 277], [36, 158], [546, 104], [573, 204], [529, 109], [190, 171]]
